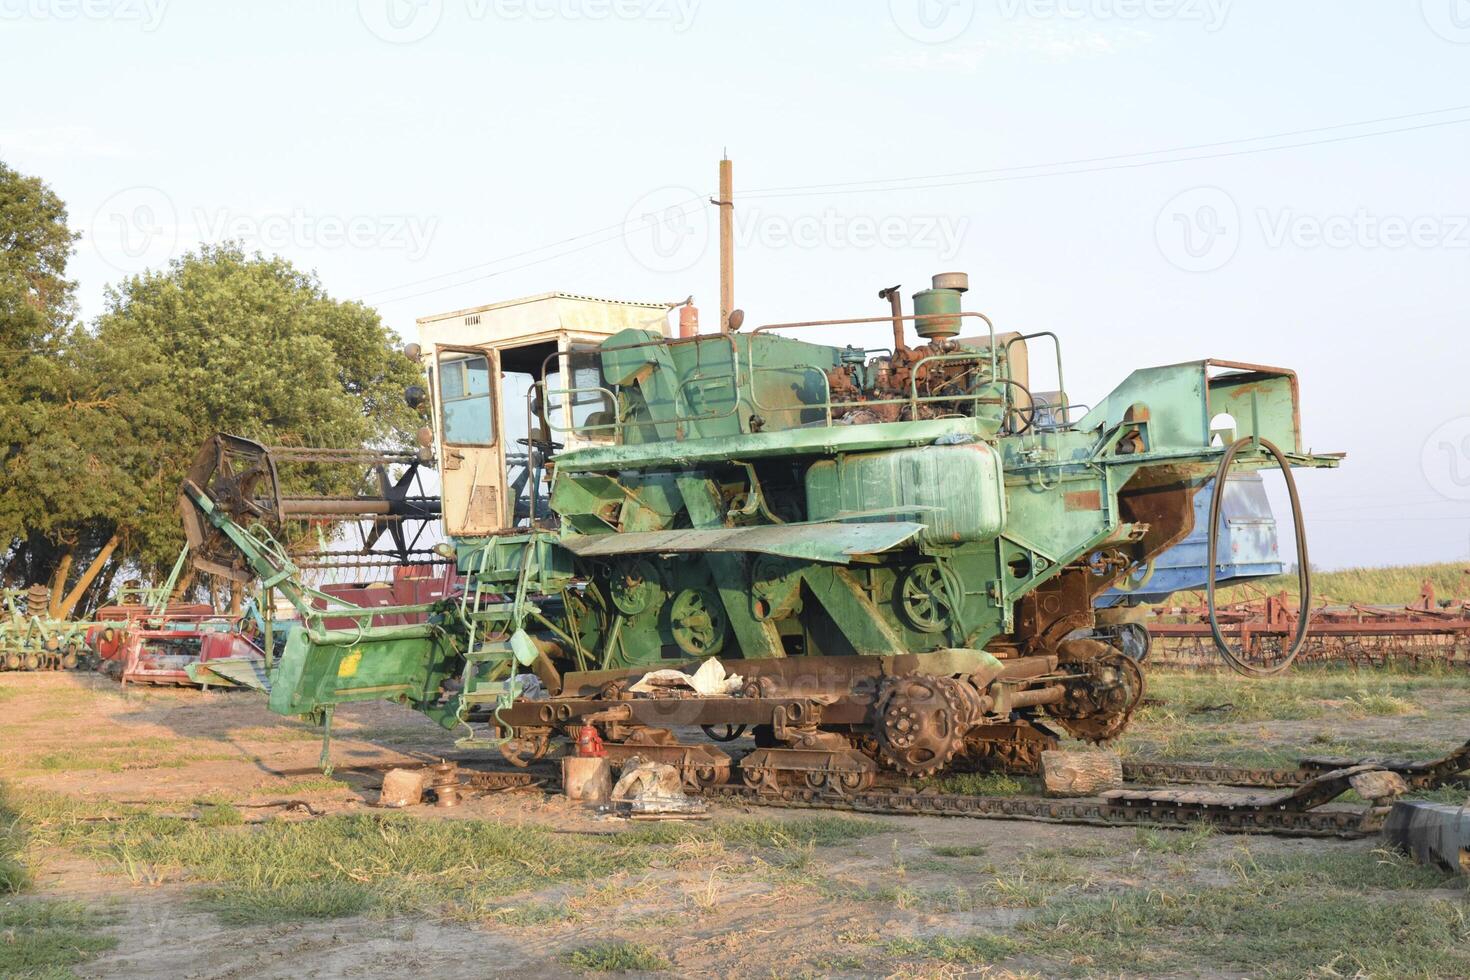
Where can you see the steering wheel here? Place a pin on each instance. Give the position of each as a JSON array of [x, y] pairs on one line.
[[553, 446]]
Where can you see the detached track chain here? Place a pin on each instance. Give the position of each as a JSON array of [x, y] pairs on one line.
[[1244, 818], [1296, 817], [1200, 773]]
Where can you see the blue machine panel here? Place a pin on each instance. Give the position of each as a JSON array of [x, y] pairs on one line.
[[1249, 548]]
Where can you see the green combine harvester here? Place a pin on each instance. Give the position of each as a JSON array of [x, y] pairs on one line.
[[892, 554]]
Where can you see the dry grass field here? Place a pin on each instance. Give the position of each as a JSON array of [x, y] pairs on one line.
[[146, 833]]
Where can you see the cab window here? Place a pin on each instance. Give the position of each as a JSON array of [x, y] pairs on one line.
[[467, 413]]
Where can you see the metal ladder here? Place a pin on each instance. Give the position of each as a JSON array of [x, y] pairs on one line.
[[490, 668]]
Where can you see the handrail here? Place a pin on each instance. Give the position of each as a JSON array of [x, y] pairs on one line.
[[990, 325], [1056, 343], [734, 376]]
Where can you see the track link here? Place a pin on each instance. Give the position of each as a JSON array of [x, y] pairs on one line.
[[1095, 812]]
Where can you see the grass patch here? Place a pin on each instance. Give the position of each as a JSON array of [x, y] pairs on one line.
[[979, 784], [1379, 704], [1395, 586], [960, 850], [14, 876], [534, 914], [115, 757], [312, 784], [1156, 840], [1243, 929], [1306, 913], [929, 900], [252, 905], [623, 957], [393, 863], [977, 950], [219, 815], [46, 939], [763, 832]]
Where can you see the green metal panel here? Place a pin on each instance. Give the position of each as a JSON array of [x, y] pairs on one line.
[[831, 541], [957, 492], [814, 441]]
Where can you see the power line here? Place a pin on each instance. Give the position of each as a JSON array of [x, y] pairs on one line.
[[1123, 156], [513, 255], [1007, 177], [501, 272], [990, 176]]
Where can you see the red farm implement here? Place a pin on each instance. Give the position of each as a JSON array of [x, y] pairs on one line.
[[1426, 631]]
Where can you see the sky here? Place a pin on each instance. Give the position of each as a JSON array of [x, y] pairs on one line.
[[1153, 180]]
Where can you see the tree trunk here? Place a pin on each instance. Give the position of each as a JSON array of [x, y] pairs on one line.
[[80, 589], [186, 582], [102, 588], [1080, 773], [58, 585]]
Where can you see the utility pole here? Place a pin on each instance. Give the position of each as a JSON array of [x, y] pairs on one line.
[[727, 242]]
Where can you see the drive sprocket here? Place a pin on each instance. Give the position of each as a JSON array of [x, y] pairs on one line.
[[921, 722]]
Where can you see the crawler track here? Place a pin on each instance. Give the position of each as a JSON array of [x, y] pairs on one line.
[[1238, 818], [1298, 807]]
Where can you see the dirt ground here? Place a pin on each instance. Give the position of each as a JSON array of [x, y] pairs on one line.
[[899, 897]]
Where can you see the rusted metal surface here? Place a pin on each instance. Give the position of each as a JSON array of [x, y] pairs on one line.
[[1427, 631], [245, 479], [410, 585], [159, 649]]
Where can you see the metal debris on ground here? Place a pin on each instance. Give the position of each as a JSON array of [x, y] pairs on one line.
[[648, 788], [444, 783], [1435, 834]]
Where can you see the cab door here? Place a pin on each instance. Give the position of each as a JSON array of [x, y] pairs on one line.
[[468, 439]]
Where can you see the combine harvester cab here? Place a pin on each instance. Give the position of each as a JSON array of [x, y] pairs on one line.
[[893, 554]]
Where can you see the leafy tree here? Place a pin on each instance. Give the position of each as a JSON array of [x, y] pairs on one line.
[[100, 424], [37, 325], [223, 341]]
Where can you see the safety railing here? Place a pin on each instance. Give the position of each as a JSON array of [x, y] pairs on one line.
[[741, 380]]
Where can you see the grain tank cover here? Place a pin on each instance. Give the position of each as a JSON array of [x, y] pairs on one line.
[[956, 492]]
